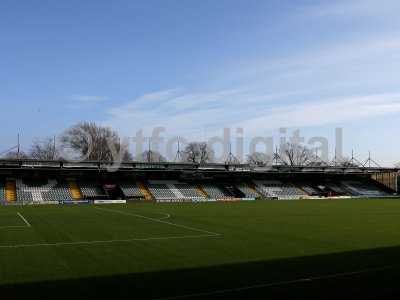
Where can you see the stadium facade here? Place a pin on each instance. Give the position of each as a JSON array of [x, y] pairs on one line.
[[44, 182]]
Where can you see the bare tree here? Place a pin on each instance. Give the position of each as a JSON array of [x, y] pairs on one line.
[[16, 155], [198, 152], [259, 159], [152, 156], [296, 155], [44, 149], [93, 142]]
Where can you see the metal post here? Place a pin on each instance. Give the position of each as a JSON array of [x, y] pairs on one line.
[[54, 148], [149, 152], [18, 146], [178, 155]]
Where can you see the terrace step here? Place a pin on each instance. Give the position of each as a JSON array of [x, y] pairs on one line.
[[253, 188], [145, 191], [202, 191], [75, 191], [11, 191]]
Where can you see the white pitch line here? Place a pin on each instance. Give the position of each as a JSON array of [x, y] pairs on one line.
[[159, 221], [167, 216], [207, 234], [279, 283], [16, 226], [23, 219], [105, 241]]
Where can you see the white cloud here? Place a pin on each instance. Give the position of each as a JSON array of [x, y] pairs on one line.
[[330, 84], [327, 111], [233, 109], [296, 95]]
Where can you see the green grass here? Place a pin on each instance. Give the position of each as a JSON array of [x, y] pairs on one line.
[[159, 250]]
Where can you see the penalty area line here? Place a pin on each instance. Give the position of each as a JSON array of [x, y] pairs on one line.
[[25, 220], [105, 241], [12, 226], [159, 221]]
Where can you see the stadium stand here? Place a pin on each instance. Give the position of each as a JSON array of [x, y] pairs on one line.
[[279, 190], [42, 192], [367, 189], [29, 181], [334, 189], [215, 192], [247, 191], [233, 191], [131, 190], [189, 191], [2, 191], [91, 190], [161, 191], [174, 191], [310, 190]]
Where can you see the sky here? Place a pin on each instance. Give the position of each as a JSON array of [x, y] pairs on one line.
[[197, 67]]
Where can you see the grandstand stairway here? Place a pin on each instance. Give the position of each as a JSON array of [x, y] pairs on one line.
[[202, 191], [145, 191], [253, 188], [11, 191], [75, 191]]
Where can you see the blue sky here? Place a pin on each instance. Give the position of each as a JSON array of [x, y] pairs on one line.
[[196, 67]]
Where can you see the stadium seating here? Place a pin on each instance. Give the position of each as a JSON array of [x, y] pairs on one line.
[[174, 191], [215, 192], [56, 190], [39, 192], [336, 188], [367, 189], [311, 191], [247, 191], [131, 190], [2, 191], [161, 191], [91, 190], [60, 191], [189, 191], [279, 190]]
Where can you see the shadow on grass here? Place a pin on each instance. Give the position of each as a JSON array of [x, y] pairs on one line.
[[367, 274]]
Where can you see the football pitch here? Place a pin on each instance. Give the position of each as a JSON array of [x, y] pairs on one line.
[[304, 248]]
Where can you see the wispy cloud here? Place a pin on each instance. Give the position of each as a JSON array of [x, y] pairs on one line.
[[335, 81], [345, 57], [84, 101], [300, 91], [235, 109], [326, 111], [87, 98], [353, 8]]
